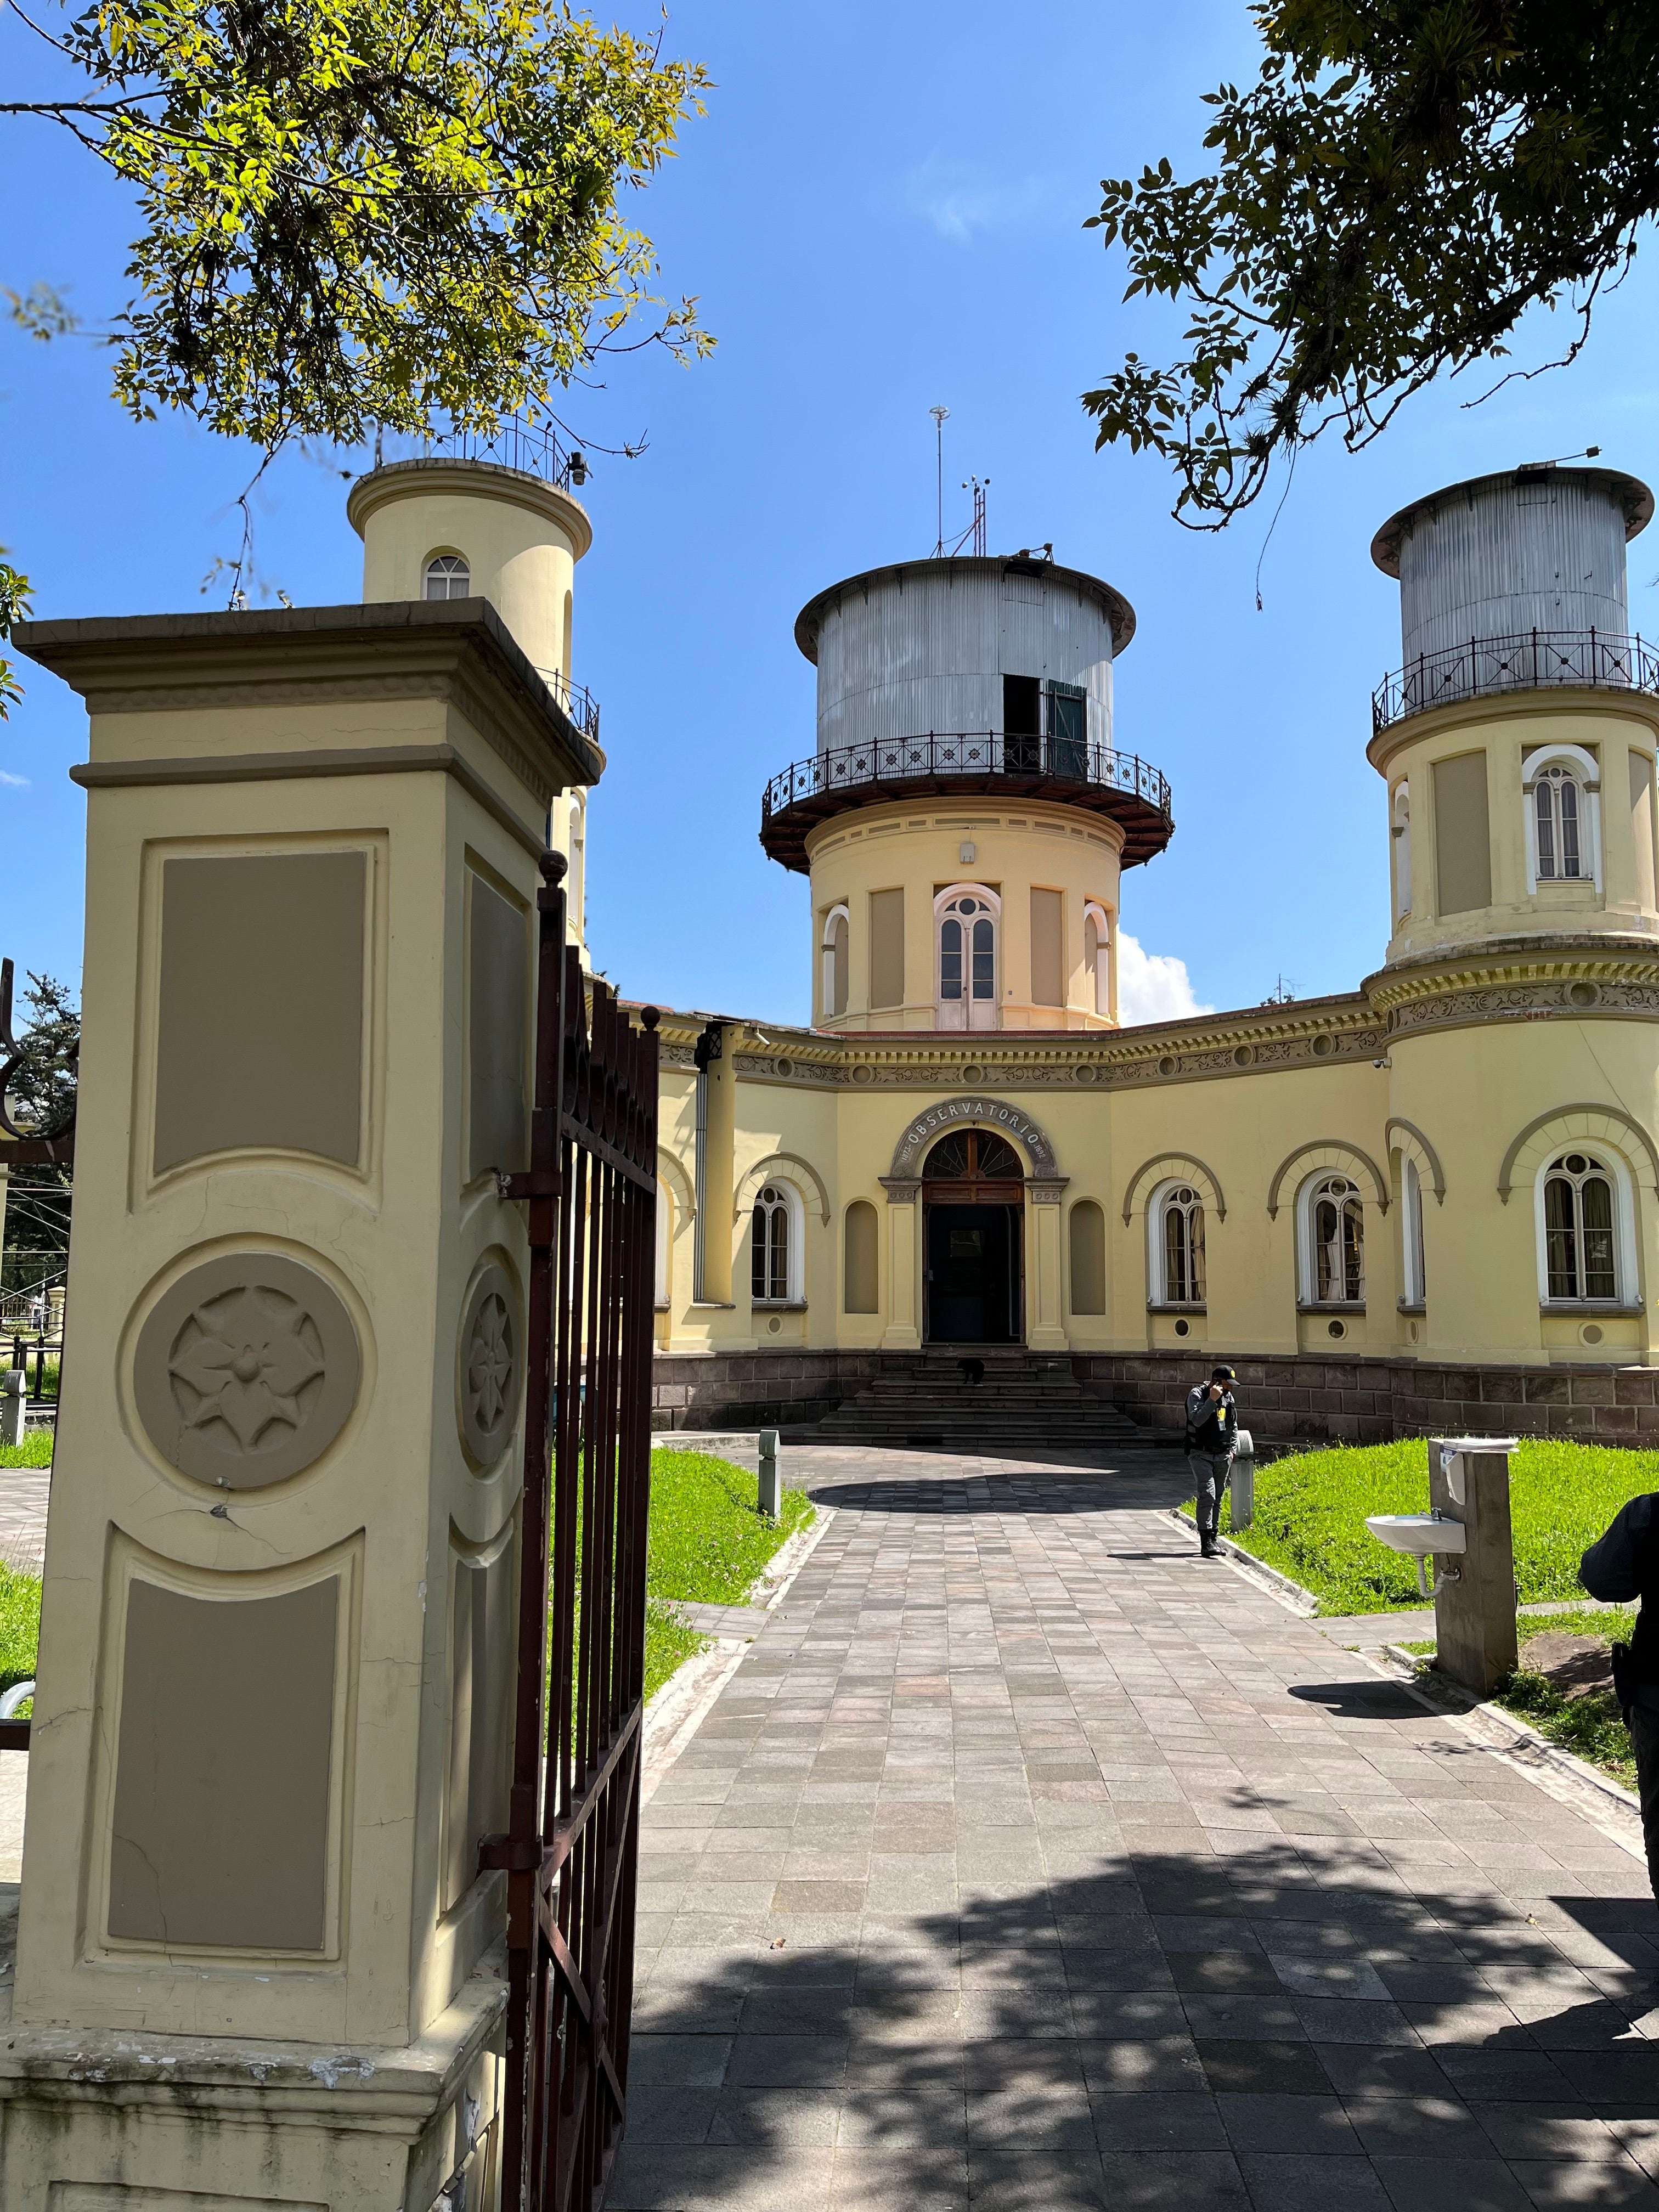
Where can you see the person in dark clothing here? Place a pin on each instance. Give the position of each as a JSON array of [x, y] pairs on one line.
[[1211, 1440], [1623, 1564]]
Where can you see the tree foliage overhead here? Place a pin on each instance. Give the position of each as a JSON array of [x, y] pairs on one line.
[[1403, 181], [363, 212]]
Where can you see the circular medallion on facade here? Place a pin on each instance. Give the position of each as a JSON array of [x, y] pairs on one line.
[[1582, 994], [247, 1370], [490, 1367]]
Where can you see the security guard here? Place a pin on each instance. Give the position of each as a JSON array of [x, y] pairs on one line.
[[1211, 1440]]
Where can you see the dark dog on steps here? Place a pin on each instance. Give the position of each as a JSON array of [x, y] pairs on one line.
[[973, 1371]]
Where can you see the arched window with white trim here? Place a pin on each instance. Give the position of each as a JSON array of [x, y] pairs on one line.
[[1402, 853], [448, 577], [1562, 791], [1097, 957], [665, 1245], [1586, 1236], [1331, 1240], [833, 946], [776, 1237], [965, 918], [1175, 1247], [1414, 1275]]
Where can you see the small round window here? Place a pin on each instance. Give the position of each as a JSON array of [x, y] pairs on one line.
[[447, 577]]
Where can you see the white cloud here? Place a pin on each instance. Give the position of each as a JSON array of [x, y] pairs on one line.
[[959, 197], [22, 781], [1153, 987]]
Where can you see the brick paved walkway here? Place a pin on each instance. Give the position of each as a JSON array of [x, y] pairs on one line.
[[1027, 1862]]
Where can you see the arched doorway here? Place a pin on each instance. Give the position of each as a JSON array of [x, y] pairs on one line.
[[973, 1195]]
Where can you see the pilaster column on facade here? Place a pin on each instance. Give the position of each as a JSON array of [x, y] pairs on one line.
[[903, 1331], [1045, 1330]]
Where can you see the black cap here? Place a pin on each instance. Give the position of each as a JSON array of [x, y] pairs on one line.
[[1222, 1375]]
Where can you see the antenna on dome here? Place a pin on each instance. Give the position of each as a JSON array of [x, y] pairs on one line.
[[941, 416]]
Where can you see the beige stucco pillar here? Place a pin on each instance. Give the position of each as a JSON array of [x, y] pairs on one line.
[[903, 1332], [1045, 1323], [273, 1706]]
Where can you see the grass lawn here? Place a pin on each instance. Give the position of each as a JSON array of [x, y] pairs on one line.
[[35, 1450], [1310, 1516], [707, 1544]]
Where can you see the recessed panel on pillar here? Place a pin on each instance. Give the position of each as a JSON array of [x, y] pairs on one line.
[[498, 983], [219, 1830], [260, 1025]]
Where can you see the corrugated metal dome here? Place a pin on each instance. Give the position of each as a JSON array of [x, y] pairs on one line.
[[1537, 548]]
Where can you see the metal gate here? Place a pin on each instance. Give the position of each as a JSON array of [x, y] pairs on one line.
[[571, 1852]]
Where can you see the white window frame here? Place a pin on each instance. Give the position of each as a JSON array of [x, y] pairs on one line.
[[1100, 979], [1588, 777], [430, 564], [829, 1010], [795, 1211], [1157, 1288], [1307, 1268], [1412, 1274], [1401, 840], [968, 1012], [1626, 1278]]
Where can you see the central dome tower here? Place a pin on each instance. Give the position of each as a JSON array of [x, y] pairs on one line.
[[964, 818]]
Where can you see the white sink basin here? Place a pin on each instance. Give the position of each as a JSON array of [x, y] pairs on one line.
[[1421, 1533]]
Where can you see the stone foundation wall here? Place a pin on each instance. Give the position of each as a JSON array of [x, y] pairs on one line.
[[1367, 1401], [1282, 1400]]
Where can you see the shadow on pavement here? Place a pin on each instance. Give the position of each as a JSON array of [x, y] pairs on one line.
[[1274, 2030]]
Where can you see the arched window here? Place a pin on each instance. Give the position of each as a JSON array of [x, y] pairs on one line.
[[1563, 816], [861, 1293], [447, 577], [1413, 1275], [1581, 1230], [966, 918], [1331, 1219], [1402, 853], [836, 927], [1175, 1222], [775, 1246], [576, 887], [1088, 1228], [1097, 957]]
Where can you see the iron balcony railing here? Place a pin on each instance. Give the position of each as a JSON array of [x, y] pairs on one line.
[[532, 448], [898, 760], [577, 701], [1532, 661]]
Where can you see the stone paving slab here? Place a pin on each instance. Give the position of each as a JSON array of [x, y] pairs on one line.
[[1025, 1860]]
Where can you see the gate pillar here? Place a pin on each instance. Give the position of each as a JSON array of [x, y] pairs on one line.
[[274, 1713], [905, 1260]]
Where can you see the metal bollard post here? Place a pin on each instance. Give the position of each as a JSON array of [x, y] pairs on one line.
[[770, 1484], [14, 1404], [1242, 1489]]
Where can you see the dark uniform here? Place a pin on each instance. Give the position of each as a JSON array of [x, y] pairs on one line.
[[1621, 1565], [1211, 1440]]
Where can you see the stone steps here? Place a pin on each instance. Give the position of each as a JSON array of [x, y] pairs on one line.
[[1024, 1401]]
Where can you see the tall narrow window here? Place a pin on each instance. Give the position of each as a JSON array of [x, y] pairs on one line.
[[1097, 958], [1558, 813], [770, 1247], [447, 577], [1181, 1233], [967, 923], [1579, 1246], [836, 970], [1336, 1223], [1410, 1231], [1402, 853]]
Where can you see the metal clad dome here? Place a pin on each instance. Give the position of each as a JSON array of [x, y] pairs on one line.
[[1539, 548]]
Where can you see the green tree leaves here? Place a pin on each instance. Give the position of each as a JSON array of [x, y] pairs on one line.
[[1403, 181]]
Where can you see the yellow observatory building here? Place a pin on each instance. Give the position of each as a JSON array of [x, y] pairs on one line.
[[1430, 1201]]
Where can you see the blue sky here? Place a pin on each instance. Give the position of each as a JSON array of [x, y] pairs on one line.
[[881, 211]]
